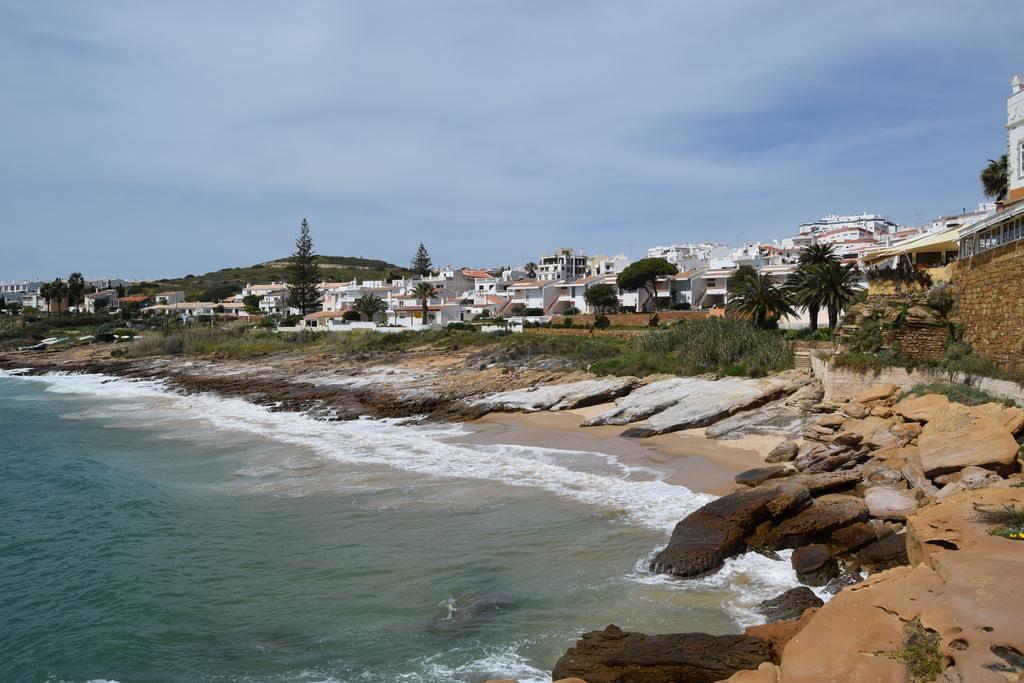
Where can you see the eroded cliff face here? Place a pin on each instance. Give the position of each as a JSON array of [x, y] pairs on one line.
[[962, 584]]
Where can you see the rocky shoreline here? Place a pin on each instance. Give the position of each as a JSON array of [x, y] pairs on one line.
[[878, 496]]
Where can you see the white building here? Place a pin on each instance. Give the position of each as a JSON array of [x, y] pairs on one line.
[[541, 294], [871, 222], [964, 219], [169, 297], [607, 265], [1015, 139], [564, 264], [691, 255]]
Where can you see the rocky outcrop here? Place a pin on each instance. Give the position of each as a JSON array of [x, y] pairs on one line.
[[718, 399], [783, 418], [814, 523], [956, 437], [779, 633], [962, 586], [559, 396], [617, 656], [686, 402], [789, 605], [702, 541]]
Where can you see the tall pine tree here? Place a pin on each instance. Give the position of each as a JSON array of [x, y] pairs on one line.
[[421, 264], [304, 274]]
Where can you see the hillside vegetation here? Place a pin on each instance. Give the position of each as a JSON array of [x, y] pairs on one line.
[[222, 283]]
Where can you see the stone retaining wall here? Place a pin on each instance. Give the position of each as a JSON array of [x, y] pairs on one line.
[[839, 383], [991, 305]]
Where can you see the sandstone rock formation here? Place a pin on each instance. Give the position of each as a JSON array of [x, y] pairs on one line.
[[956, 436], [559, 396], [702, 541], [617, 656], [814, 565]]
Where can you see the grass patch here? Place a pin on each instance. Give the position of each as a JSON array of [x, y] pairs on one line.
[[920, 653], [960, 393], [722, 345]]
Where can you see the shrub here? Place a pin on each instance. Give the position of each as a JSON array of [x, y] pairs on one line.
[[572, 310], [567, 322], [684, 306], [533, 312], [601, 322], [920, 653], [959, 393], [351, 315], [723, 345]]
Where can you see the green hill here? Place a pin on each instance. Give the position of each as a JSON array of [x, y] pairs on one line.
[[222, 283]]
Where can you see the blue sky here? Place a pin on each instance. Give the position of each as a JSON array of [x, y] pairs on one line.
[[158, 139]]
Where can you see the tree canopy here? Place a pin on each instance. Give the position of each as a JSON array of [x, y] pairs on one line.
[[304, 274], [423, 291], [995, 178], [755, 295], [644, 274], [369, 305], [601, 297], [421, 264]]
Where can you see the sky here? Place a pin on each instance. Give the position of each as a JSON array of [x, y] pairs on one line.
[[157, 139]]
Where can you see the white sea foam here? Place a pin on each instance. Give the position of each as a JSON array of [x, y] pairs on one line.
[[571, 474], [591, 478]]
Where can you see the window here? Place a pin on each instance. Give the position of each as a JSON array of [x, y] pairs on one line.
[[1020, 159]]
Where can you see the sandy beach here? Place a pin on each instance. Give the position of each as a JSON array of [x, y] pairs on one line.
[[684, 458]]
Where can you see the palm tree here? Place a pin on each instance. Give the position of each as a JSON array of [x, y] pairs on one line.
[[836, 287], [531, 269], [46, 291], [994, 178], [59, 290], [754, 294], [801, 290], [369, 305], [76, 290], [423, 291]]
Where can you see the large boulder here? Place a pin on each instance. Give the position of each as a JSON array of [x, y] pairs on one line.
[[955, 437], [889, 503], [559, 396], [784, 452], [789, 605], [617, 656], [814, 565], [813, 524], [830, 482], [852, 538], [702, 541]]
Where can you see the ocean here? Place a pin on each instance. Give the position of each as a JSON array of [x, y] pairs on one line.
[[152, 536]]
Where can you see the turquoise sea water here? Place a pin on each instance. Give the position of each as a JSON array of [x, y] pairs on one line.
[[147, 536]]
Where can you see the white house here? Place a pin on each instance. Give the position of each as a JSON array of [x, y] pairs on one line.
[[686, 287], [607, 265], [532, 294], [716, 287], [105, 299], [571, 294], [169, 297]]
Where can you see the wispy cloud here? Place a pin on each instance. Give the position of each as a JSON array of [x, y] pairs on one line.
[[478, 125]]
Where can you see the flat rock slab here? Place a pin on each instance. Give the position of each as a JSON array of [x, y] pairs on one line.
[[715, 400], [760, 475], [956, 436], [559, 396], [785, 417], [617, 656], [650, 399]]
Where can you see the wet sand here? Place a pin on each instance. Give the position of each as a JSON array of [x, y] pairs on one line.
[[683, 458]]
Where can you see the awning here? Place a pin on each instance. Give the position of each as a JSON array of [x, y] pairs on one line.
[[945, 240]]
